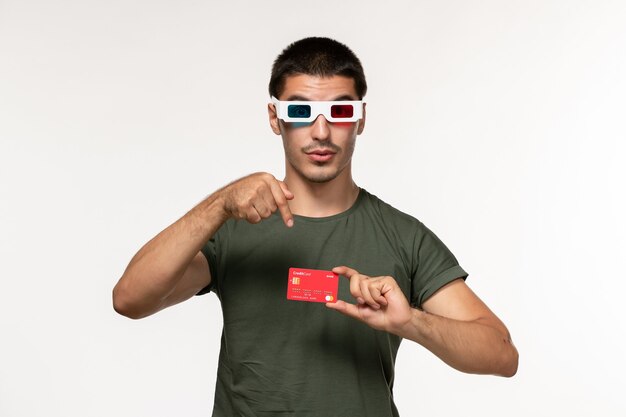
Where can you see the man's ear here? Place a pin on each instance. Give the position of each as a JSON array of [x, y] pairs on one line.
[[361, 122], [274, 122]]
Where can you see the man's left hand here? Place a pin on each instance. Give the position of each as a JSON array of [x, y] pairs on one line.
[[381, 304]]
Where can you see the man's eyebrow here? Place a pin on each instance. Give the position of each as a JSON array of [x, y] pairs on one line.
[[344, 97]]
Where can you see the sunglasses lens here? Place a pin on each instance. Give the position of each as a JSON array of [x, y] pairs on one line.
[[299, 111], [341, 111]]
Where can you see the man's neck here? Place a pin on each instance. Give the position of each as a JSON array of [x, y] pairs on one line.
[[321, 199]]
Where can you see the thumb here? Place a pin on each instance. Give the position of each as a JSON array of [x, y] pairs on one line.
[[348, 309]]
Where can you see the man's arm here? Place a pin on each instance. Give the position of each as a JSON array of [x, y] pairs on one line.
[[170, 268], [454, 324], [461, 330]]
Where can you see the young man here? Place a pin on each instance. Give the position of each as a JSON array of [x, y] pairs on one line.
[[398, 280]]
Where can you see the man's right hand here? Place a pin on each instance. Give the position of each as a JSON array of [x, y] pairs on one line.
[[256, 197], [171, 268]]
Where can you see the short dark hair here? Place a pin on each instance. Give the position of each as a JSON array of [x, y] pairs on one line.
[[322, 57]]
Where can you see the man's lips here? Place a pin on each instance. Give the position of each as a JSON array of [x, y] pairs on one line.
[[320, 155], [321, 152]]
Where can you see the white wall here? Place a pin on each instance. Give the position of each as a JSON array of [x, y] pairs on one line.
[[500, 124]]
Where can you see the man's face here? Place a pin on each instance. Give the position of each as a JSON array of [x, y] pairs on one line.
[[318, 151]]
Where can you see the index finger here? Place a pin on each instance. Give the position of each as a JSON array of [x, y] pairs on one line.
[[281, 202]]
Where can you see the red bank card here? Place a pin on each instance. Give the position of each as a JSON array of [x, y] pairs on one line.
[[312, 285]]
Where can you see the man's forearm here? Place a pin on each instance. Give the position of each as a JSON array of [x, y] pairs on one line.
[[164, 271], [156, 269], [468, 346]]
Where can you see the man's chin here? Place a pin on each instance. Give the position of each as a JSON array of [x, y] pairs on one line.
[[317, 173], [321, 177], [321, 180]]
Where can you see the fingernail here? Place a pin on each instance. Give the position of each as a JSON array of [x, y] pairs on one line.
[[290, 222]]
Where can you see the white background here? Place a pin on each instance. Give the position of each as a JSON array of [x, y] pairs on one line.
[[499, 124]]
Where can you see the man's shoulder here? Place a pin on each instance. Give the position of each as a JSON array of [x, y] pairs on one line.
[[386, 211]]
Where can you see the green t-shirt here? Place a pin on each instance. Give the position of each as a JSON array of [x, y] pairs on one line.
[[292, 358]]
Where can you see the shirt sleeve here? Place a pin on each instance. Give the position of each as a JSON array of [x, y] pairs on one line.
[[210, 252], [434, 266]]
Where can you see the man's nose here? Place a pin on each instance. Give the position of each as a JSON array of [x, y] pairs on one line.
[[320, 129]]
